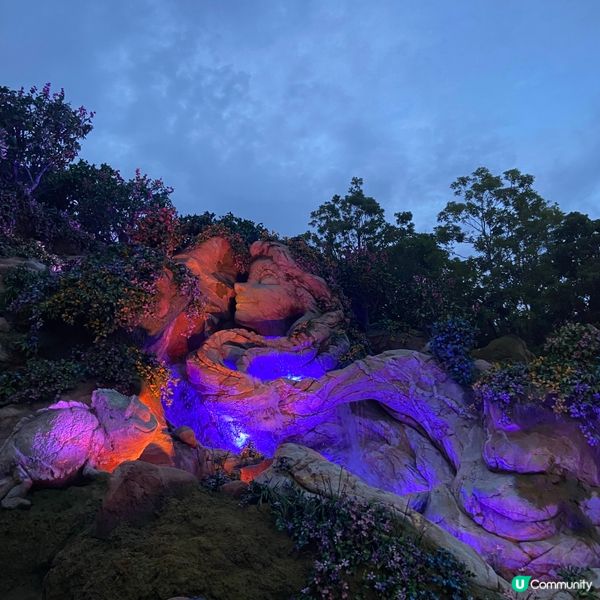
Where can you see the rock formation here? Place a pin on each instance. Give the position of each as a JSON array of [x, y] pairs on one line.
[[58, 443], [261, 367]]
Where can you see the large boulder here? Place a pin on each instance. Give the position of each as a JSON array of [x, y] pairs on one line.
[[56, 444], [137, 489], [537, 440], [309, 471], [508, 348], [278, 292], [174, 329]]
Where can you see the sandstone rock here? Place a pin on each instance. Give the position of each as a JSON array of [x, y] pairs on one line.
[[430, 442], [235, 489], [409, 385], [137, 490], [186, 435], [56, 444], [536, 440], [311, 472], [278, 292], [516, 507], [506, 348], [251, 472], [156, 455], [197, 461], [174, 331]]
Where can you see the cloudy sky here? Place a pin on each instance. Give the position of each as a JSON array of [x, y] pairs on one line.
[[268, 108]]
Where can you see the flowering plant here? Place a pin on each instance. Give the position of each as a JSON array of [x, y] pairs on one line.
[[363, 549], [451, 344]]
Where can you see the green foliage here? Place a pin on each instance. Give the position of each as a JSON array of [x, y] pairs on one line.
[[574, 342], [363, 550], [104, 292], [116, 364], [451, 344], [353, 223], [376, 263], [573, 265], [193, 226], [157, 228], [505, 386], [40, 133], [40, 379], [566, 378], [508, 225], [105, 206]]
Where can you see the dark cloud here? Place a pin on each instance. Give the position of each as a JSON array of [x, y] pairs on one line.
[[267, 109]]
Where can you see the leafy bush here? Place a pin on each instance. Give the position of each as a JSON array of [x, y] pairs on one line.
[[575, 343], [246, 230], [566, 378], [157, 228], [39, 379], [104, 291], [451, 344], [504, 386], [363, 550], [41, 133], [116, 364]]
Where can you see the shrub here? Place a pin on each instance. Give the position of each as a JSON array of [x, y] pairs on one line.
[[194, 225], [504, 386], [363, 549], [574, 343], [115, 365], [451, 344], [566, 378], [157, 227], [104, 292], [39, 380]]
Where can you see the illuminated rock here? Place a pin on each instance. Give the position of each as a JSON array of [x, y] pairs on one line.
[[536, 440], [56, 444], [278, 292], [397, 421], [171, 326], [311, 472]]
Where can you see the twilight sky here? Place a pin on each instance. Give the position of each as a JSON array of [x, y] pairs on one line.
[[268, 108]]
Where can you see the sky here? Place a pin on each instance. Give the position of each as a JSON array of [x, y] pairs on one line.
[[268, 108]]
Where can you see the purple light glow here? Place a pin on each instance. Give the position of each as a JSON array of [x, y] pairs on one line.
[[268, 367]]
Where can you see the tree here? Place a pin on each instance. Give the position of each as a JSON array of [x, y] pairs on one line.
[[349, 224], [101, 201], [508, 226], [573, 261], [39, 133], [377, 262]]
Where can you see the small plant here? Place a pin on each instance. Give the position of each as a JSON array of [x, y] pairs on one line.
[[566, 378], [451, 344], [362, 549], [505, 387], [572, 574], [40, 379]]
